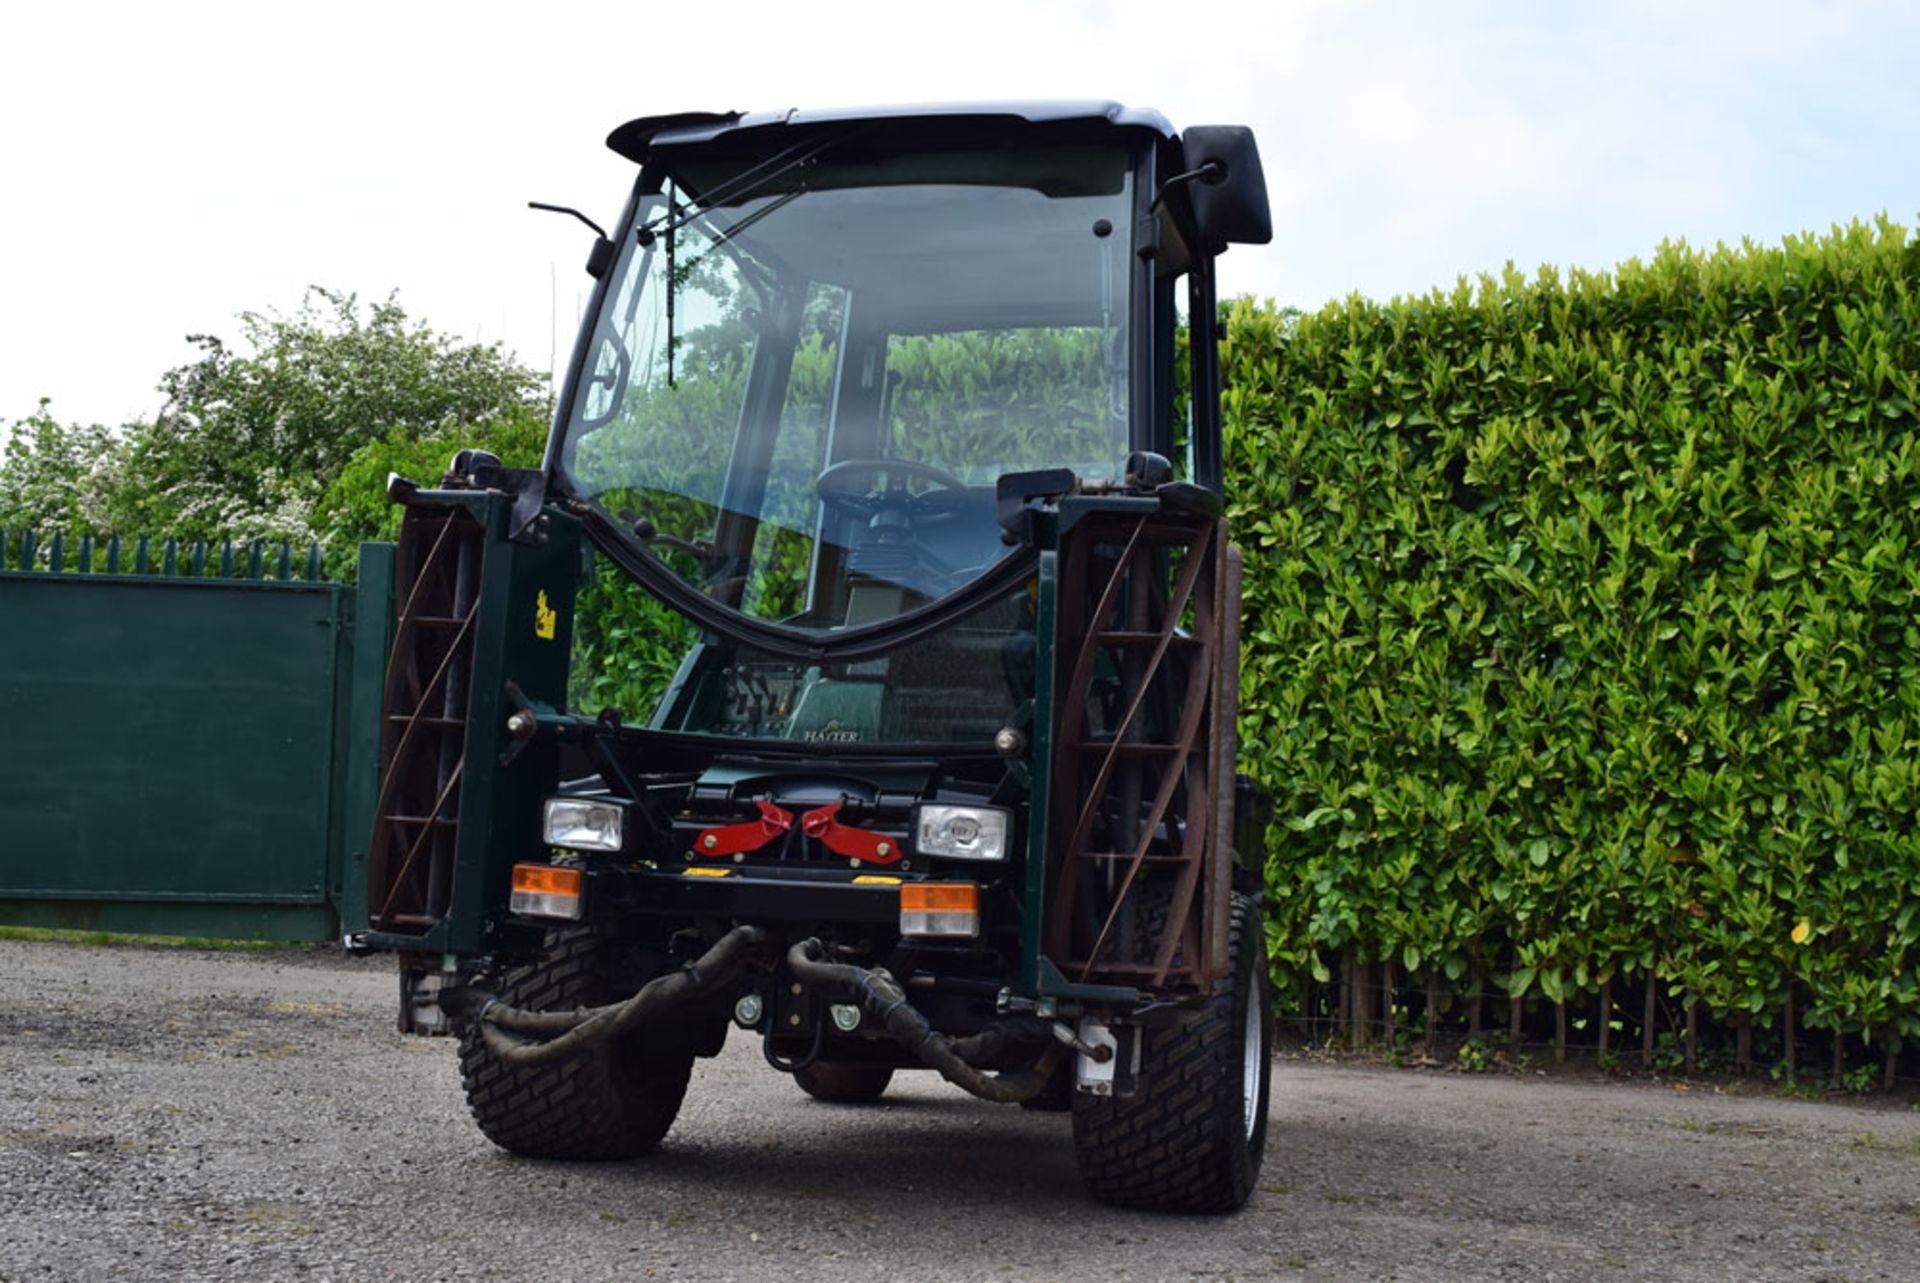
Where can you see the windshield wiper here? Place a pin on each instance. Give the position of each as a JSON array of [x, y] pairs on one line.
[[742, 186]]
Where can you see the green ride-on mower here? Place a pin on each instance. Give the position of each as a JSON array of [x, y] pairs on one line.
[[882, 425]]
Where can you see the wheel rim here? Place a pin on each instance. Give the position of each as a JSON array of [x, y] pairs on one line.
[[1251, 1050]]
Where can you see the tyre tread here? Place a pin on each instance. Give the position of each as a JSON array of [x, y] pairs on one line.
[[1170, 1147], [601, 1104]]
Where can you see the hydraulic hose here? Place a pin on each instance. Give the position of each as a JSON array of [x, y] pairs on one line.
[[880, 996], [568, 1033]]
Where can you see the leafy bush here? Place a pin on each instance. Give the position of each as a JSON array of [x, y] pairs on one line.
[[354, 507], [627, 645], [1579, 626]]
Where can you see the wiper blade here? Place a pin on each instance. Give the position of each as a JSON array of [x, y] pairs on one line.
[[741, 186], [757, 215]]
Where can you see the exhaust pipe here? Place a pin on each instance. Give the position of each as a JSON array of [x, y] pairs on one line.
[[559, 1034], [881, 997]]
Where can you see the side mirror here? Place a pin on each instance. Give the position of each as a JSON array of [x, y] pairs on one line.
[[1146, 470], [472, 469], [1230, 201], [600, 257]]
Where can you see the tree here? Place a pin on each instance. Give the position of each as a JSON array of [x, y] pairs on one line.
[[53, 476], [251, 437]]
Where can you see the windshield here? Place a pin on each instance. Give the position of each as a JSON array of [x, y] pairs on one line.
[[799, 396]]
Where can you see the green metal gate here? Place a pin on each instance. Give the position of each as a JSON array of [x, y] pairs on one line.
[[185, 739]]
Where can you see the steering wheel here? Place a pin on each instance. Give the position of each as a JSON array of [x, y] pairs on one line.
[[837, 489]]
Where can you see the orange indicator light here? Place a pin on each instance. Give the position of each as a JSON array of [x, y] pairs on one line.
[[940, 897], [546, 879]]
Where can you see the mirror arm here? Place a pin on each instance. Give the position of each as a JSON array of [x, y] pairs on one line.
[[568, 209], [1212, 173]]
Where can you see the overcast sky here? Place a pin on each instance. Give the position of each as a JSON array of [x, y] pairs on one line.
[[169, 165]]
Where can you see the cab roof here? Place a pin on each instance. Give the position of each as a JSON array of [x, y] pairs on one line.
[[636, 138]]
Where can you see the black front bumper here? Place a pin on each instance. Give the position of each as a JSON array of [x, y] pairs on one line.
[[715, 892]]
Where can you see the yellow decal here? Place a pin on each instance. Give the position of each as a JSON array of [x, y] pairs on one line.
[[701, 871], [545, 617], [875, 880]]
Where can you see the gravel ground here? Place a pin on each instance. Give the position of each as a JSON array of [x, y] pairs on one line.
[[186, 1115]]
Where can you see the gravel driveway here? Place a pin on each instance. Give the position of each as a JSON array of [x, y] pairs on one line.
[[186, 1115]]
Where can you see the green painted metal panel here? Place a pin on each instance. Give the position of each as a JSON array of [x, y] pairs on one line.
[[1034, 907], [168, 763], [288, 923], [372, 640], [339, 743], [500, 801]]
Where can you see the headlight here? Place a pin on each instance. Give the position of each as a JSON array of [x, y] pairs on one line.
[[962, 832], [582, 824]]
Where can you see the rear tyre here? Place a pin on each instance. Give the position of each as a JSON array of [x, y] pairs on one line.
[[844, 1082], [1192, 1137], [612, 1101]]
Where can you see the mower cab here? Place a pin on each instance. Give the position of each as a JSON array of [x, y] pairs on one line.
[[892, 417]]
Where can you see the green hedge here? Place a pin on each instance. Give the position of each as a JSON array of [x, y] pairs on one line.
[[1580, 628]]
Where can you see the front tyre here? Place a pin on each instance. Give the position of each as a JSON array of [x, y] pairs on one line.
[[1192, 1136], [614, 1100]]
